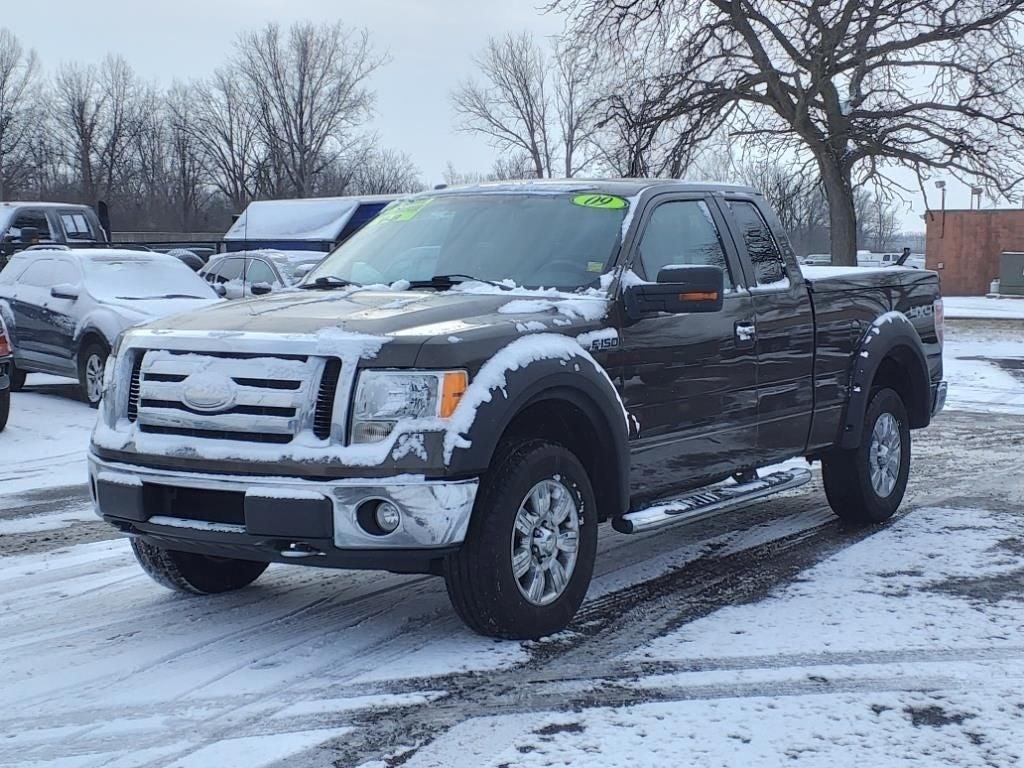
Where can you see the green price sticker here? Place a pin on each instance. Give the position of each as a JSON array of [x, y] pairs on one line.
[[610, 202], [404, 211]]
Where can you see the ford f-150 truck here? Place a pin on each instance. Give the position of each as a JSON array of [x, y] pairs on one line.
[[473, 382]]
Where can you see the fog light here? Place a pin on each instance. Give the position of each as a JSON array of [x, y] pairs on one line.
[[387, 516]]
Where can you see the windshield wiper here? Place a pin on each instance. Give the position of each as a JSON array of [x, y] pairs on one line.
[[444, 282], [163, 296], [328, 282]]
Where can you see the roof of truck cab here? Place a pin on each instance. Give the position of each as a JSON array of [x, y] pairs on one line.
[[619, 187], [36, 204]]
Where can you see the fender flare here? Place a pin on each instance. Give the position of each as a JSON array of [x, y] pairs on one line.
[[571, 376], [891, 336]]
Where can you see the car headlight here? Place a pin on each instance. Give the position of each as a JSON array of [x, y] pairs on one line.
[[384, 398]]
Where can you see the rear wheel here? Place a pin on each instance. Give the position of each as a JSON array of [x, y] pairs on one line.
[[529, 554], [866, 484], [195, 574], [91, 362]]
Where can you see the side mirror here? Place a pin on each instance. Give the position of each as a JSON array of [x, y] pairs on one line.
[[301, 271], [64, 291], [679, 289], [260, 289], [220, 290]]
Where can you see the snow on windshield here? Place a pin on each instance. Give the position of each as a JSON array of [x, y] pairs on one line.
[[565, 240], [135, 278]]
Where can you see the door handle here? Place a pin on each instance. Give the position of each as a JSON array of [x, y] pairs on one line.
[[746, 334]]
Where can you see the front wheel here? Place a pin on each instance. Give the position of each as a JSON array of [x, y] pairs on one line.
[[866, 484], [526, 563], [17, 378], [195, 574], [91, 362]]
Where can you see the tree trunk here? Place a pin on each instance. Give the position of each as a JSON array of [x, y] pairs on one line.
[[841, 213]]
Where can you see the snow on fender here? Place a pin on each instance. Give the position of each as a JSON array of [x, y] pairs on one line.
[[493, 377]]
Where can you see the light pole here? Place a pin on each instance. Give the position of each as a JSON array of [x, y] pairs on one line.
[[941, 186], [976, 192]]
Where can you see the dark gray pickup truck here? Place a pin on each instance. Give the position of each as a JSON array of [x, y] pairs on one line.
[[472, 383]]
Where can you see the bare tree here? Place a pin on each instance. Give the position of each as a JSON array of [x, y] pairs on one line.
[[19, 71], [309, 87], [100, 112], [221, 121], [859, 85], [512, 105], [386, 172]]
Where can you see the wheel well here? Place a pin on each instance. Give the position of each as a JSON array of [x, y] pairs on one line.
[[90, 336], [565, 423], [899, 370]]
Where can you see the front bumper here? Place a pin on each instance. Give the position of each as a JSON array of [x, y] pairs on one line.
[[939, 391], [280, 518]]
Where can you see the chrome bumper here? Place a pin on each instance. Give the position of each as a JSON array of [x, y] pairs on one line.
[[433, 513]]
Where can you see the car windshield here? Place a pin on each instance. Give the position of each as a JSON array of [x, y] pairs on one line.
[[137, 279], [535, 240]]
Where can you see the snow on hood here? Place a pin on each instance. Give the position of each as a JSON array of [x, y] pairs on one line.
[[154, 309]]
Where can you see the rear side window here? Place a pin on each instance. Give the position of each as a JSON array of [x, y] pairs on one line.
[[769, 266], [38, 274], [228, 270], [682, 233], [76, 226]]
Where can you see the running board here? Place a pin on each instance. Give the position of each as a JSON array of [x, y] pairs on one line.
[[708, 502]]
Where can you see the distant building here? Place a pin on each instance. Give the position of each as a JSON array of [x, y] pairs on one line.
[[964, 246]]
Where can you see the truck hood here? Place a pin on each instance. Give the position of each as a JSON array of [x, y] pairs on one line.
[[399, 314]]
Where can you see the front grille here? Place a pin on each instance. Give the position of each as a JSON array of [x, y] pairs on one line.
[[265, 399], [325, 399], [133, 388]]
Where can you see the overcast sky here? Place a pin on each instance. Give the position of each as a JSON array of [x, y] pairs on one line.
[[430, 43]]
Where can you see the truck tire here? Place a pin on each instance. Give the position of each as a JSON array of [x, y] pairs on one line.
[[17, 378], [91, 362], [526, 563], [195, 574], [866, 484], [5, 407]]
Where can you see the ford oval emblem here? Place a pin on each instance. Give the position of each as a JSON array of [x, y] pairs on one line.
[[208, 392]]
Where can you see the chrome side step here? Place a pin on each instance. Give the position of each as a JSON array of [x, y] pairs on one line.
[[708, 502]]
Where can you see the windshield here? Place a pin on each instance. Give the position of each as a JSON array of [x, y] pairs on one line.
[[112, 279], [536, 240]]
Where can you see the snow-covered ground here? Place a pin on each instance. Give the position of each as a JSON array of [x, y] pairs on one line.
[[763, 638], [983, 308], [46, 436], [898, 651]]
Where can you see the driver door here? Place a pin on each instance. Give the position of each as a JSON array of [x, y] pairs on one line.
[[689, 378]]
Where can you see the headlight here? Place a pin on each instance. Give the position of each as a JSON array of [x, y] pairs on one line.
[[384, 398]]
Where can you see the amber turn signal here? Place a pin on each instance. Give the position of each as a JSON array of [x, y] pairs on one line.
[[452, 389], [699, 296]]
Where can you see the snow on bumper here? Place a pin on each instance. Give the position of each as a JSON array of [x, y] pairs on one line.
[[434, 514]]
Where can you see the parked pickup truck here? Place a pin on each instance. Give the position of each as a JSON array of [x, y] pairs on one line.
[[473, 382]]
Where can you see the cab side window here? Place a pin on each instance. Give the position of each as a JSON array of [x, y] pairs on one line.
[[35, 219], [769, 266], [680, 233]]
